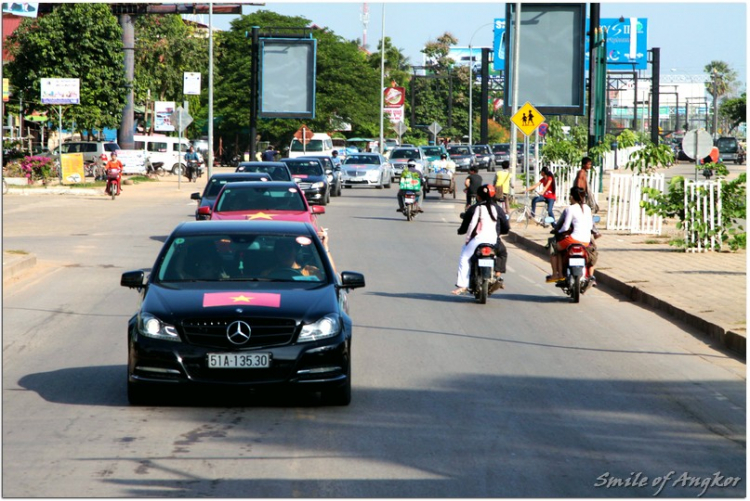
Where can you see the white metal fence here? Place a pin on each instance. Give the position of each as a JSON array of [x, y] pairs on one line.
[[619, 158], [624, 212], [564, 178], [703, 215]]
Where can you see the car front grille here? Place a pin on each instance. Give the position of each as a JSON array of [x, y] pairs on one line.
[[265, 332], [305, 186]]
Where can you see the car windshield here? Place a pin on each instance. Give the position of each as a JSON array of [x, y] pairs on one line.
[[433, 151], [277, 172], [236, 198], [481, 149], [362, 159], [501, 148], [305, 167], [459, 150], [240, 257], [312, 145], [407, 154], [726, 144]]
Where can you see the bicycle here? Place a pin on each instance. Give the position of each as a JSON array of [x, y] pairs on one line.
[[522, 215]]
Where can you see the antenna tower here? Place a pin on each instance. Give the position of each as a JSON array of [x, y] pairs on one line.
[[365, 18]]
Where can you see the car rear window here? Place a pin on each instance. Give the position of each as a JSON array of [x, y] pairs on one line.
[[115, 146], [262, 197]]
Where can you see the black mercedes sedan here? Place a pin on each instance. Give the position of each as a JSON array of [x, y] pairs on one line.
[[241, 305], [311, 177]]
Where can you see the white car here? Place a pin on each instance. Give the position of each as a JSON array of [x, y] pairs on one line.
[[366, 169]]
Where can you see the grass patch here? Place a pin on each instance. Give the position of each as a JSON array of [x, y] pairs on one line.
[[141, 179], [21, 252]]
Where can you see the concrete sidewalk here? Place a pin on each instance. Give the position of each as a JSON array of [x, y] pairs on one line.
[[706, 290]]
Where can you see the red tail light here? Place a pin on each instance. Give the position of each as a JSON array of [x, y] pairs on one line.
[[486, 251]]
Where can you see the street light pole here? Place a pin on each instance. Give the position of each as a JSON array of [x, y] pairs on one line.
[[716, 108], [471, 81]]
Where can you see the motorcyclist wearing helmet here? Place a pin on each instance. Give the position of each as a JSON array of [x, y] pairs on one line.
[[577, 225], [411, 180], [482, 229], [503, 228], [444, 163]]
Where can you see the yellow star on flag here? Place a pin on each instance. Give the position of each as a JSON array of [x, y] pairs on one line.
[[242, 298], [259, 215]]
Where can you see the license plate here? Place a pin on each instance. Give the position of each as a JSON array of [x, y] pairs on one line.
[[577, 261], [409, 200], [486, 262], [239, 360]]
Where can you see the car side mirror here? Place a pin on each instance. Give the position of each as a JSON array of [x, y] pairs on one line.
[[204, 211], [318, 209], [352, 280], [195, 196], [329, 172], [133, 279]]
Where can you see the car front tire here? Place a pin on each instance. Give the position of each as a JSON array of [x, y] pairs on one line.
[[340, 396], [139, 394]]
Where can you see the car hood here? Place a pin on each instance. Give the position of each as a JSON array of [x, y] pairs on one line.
[[306, 302], [304, 178], [460, 157], [402, 160]]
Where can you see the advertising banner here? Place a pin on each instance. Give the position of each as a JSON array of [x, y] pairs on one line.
[[163, 112], [395, 115], [25, 9], [61, 91], [133, 161], [191, 84], [393, 97], [6, 90], [72, 168], [627, 43], [498, 45]]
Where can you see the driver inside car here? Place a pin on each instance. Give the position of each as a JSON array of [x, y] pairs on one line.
[[286, 266]]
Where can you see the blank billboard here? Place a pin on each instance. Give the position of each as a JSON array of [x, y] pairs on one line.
[[551, 57], [287, 78]]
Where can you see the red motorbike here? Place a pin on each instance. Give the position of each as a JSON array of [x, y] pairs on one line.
[[575, 270], [113, 182]]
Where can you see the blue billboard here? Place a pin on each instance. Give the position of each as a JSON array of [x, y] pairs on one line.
[[627, 43], [498, 62]]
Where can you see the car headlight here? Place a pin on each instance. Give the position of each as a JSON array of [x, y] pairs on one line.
[[328, 326], [150, 326], [318, 185]]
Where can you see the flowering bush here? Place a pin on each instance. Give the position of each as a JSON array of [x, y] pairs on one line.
[[38, 168]]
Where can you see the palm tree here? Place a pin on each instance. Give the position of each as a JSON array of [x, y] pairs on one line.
[[721, 81]]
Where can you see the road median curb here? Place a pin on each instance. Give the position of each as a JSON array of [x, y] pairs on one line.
[[727, 337], [15, 264]]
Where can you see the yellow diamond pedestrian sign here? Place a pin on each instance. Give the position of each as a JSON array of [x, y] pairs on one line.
[[527, 118]]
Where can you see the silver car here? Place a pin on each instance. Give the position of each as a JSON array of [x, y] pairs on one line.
[[366, 169], [401, 156]]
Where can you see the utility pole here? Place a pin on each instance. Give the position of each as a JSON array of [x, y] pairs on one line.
[[715, 126]]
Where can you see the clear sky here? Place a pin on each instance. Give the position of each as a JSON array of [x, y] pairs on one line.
[[690, 34]]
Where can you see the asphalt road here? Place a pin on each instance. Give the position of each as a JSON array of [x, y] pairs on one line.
[[526, 396]]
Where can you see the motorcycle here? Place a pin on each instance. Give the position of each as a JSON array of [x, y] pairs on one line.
[[577, 279], [481, 276], [410, 205], [155, 168], [113, 183], [192, 171], [576, 270]]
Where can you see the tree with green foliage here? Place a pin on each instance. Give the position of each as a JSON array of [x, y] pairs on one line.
[[734, 111], [76, 40], [165, 48]]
